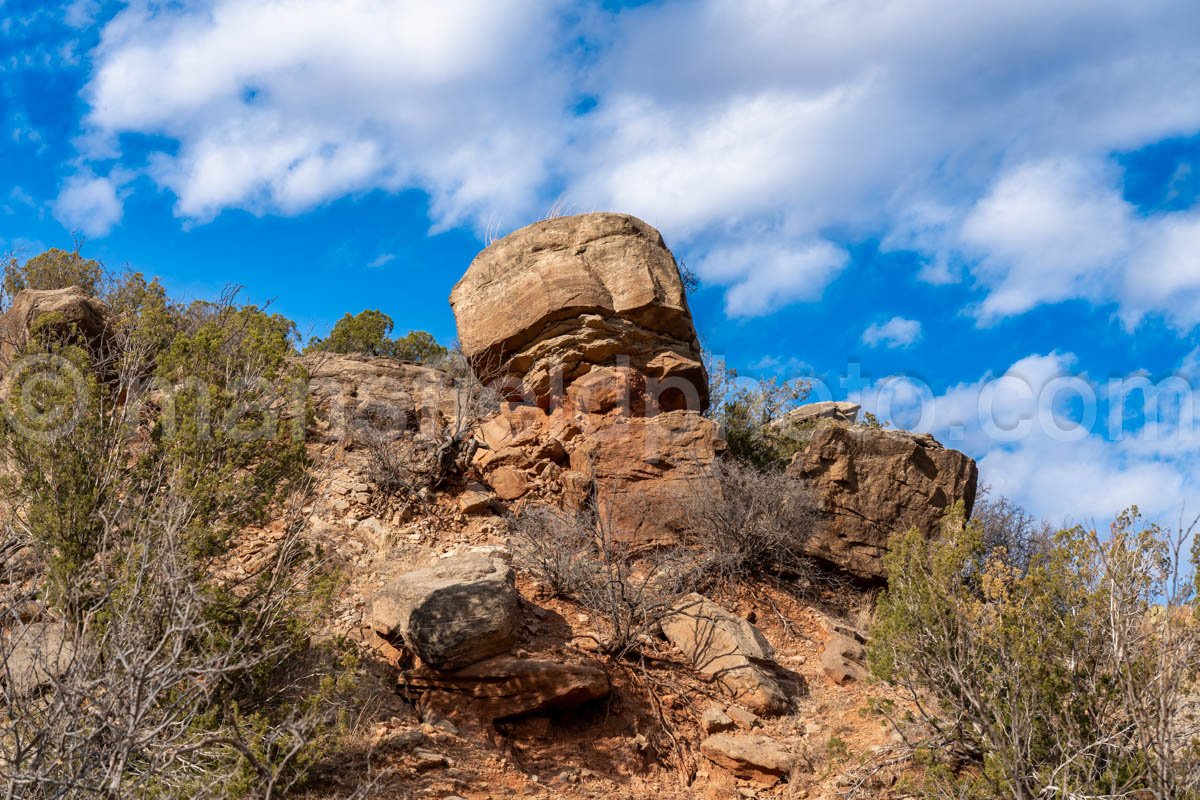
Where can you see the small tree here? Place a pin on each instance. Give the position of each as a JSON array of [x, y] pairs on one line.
[[746, 411], [53, 269], [369, 333]]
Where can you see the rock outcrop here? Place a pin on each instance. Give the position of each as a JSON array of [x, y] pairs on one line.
[[382, 394], [844, 659], [545, 304], [730, 650], [586, 320], [507, 686], [868, 483], [64, 310], [36, 655], [457, 612]]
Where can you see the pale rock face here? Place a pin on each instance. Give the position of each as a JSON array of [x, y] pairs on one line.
[[844, 659], [70, 308], [548, 302], [452, 614], [752, 757], [386, 395], [728, 648], [38, 654], [868, 484]]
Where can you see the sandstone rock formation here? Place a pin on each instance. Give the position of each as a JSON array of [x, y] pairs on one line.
[[63, 309], [868, 483], [383, 394], [589, 314], [728, 648], [547, 303], [507, 686], [37, 655], [757, 758], [459, 611]]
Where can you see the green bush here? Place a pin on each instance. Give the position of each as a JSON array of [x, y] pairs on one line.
[[746, 411], [53, 269], [369, 333], [1062, 672]]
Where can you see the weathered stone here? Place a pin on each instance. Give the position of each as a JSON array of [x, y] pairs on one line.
[[867, 484], [38, 654], [476, 499], [381, 395], [461, 610], [507, 686], [62, 310], [730, 650], [844, 659], [510, 483], [756, 758], [715, 720], [644, 470], [809, 413], [746, 720], [546, 303]]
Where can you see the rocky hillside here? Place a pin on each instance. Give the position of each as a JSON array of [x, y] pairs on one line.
[[491, 682]]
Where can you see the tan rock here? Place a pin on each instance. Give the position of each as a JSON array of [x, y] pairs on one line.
[[385, 395], [460, 610], [37, 654], [868, 484], [507, 686], [757, 758], [844, 659], [546, 303], [510, 483], [65, 310], [730, 650], [715, 720]]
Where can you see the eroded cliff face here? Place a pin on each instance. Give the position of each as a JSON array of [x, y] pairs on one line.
[[583, 323], [867, 484]]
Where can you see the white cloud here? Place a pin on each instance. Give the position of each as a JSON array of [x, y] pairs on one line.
[[381, 260], [895, 333], [278, 107], [761, 136], [89, 204], [1042, 434], [1058, 230]]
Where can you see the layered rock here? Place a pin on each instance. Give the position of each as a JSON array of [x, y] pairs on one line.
[[868, 484], [350, 391], [65, 311], [545, 304], [844, 658], [507, 686], [730, 650], [456, 612], [585, 319]]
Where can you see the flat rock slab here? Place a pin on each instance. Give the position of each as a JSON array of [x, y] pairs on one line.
[[507, 686], [757, 758], [730, 650], [454, 613]]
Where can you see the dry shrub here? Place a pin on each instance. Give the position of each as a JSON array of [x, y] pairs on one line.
[[754, 526]]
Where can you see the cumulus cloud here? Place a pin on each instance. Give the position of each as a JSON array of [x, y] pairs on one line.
[[762, 137], [895, 333], [278, 107], [1058, 230], [89, 204], [1058, 442]]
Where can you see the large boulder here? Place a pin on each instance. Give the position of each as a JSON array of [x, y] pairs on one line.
[[728, 649], [585, 320], [545, 304], [65, 311], [459, 611], [507, 686], [868, 484]]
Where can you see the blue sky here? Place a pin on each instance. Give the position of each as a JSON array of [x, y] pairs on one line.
[[956, 192]]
